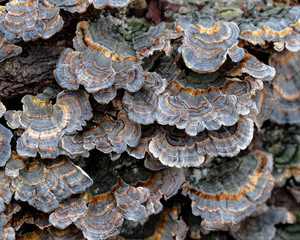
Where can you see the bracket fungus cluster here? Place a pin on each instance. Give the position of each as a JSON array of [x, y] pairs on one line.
[[153, 131]]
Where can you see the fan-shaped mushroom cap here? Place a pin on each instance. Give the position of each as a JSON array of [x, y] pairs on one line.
[[71, 5], [142, 105], [68, 211], [224, 196], [173, 147], [7, 230], [45, 124], [103, 217], [8, 50], [131, 200], [280, 26], [67, 64], [261, 225], [207, 42], [153, 164], [14, 165], [286, 87], [156, 38], [103, 61], [255, 68], [29, 19], [44, 183], [110, 3], [198, 102], [37, 185]]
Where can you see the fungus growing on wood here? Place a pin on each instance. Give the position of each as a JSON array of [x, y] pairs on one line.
[[114, 135], [45, 124], [224, 196], [73, 145], [103, 61], [132, 201], [157, 38], [103, 217], [142, 105], [206, 42], [68, 211], [29, 20], [173, 147], [277, 25], [208, 101], [31, 216], [163, 183], [43, 183], [253, 67], [71, 233]]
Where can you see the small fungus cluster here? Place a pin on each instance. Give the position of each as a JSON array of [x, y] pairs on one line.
[[154, 131]]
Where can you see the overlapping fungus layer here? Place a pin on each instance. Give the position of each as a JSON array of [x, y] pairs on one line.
[[223, 196], [45, 124], [150, 110]]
